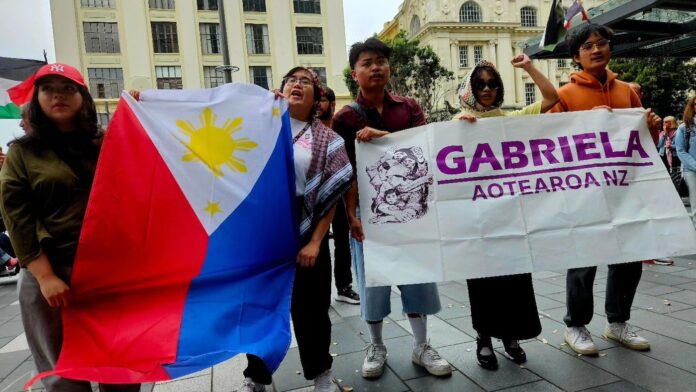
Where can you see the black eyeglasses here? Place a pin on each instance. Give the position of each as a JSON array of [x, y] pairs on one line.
[[601, 44], [492, 84]]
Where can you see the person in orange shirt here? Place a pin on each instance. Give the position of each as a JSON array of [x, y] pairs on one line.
[[597, 87]]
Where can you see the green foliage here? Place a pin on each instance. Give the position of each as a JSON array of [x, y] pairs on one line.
[[416, 72], [665, 82]]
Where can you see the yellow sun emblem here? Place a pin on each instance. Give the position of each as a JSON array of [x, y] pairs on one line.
[[215, 146]]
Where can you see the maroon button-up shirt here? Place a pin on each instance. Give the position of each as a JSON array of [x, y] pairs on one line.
[[398, 113]]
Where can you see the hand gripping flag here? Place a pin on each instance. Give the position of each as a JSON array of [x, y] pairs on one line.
[[187, 252]]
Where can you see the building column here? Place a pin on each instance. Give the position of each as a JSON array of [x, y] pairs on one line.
[[505, 55]]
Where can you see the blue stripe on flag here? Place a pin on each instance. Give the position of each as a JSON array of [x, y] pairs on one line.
[[240, 302]]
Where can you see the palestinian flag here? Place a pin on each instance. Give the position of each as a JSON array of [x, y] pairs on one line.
[[16, 84]]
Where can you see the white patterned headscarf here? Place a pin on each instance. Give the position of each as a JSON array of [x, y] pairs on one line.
[[467, 98]]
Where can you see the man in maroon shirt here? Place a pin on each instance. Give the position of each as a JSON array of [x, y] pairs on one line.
[[375, 114]]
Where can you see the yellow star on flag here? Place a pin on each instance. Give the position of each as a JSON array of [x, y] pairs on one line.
[[276, 112], [213, 208]]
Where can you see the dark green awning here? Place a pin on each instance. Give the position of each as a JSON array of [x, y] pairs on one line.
[[644, 28]]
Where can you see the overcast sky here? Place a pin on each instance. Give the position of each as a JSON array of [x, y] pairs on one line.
[[25, 31]]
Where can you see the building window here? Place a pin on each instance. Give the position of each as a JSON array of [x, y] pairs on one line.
[[470, 13], [257, 39], [254, 5], [310, 40], [210, 38], [415, 25], [321, 72], [529, 16], [164, 39], [213, 78], [105, 82], [478, 54], [207, 5], [306, 6], [168, 77], [261, 76], [99, 3], [463, 56], [162, 4], [529, 93], [101, 37], [562, 63]]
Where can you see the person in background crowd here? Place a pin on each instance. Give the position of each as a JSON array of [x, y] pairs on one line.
[[508, 317], [45, 184], [342, 274], [684, 141], [374, 114], [597, 87], [668, 152]]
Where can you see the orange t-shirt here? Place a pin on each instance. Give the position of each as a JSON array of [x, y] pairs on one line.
[[584, 92]]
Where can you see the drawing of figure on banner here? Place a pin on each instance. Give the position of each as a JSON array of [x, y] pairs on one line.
[[401, 182]]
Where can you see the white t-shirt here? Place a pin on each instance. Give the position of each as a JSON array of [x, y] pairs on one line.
[[303, 154]]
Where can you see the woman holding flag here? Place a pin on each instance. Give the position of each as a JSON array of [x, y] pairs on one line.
[[510, 318], [45, 184], [322, 175]]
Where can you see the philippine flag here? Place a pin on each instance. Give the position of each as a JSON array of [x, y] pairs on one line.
[[187, 252]]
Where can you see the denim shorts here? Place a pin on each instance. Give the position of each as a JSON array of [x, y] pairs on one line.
[[375, 302]]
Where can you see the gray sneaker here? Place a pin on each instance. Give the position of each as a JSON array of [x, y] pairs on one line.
[[425, 355], [624, 334], [373, 365], [580, 340], [248, 385]]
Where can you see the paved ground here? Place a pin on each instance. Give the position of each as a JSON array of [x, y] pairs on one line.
[[664, 309]]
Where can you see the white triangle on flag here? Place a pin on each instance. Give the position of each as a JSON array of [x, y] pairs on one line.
[[216, 142]]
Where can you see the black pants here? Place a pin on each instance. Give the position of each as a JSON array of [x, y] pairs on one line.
[[311, 297], [512, 315], [342, 260], [622, 283]]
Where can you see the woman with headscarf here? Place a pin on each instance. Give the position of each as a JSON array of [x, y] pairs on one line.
[[510, 318]]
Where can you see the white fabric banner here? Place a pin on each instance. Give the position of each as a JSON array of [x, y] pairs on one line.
[[507, 195]]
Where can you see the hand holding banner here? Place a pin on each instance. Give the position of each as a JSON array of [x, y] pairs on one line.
[[509, 195]]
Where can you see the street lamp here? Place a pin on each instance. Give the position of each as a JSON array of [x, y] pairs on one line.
[[228, 70]]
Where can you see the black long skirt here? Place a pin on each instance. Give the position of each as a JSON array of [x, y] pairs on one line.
[[504, 307]]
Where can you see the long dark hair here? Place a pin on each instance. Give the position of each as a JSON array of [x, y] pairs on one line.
[[500, 92], [689, 112], [83, 144]]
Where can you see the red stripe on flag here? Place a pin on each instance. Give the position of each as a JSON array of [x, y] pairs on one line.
[[140, 247]]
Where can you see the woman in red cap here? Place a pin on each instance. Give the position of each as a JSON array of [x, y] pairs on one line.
[[44, 185]]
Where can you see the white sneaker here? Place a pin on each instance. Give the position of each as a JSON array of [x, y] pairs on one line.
[[248, 385], [373, 365], [624, 334], [325, 382], [579, 339], [425, 355]]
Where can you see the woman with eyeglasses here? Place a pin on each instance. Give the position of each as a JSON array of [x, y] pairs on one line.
[[510, 318], [45, 184], [685, 141], [322, 175]]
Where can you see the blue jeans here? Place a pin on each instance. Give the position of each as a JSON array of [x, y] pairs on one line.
[[375, 302]]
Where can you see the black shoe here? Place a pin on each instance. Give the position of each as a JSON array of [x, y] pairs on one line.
[[347, 294], [514, 352], [488, 362]]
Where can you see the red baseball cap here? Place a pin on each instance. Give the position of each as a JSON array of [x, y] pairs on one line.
[[59, 69]]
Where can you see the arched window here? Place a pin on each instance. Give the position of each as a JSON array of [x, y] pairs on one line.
[[470, 13], [529, 16], [415, 25]]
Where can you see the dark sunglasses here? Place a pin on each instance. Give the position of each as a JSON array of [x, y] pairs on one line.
[[479, 84]]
